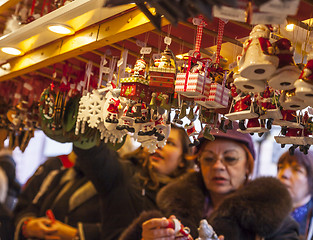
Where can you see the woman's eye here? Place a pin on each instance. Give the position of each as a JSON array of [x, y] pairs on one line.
[[230, 159], [208, 159], [170, 143]]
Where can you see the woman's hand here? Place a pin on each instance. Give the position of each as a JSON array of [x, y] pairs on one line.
[[156, 228], [64, 231], [40, 228]]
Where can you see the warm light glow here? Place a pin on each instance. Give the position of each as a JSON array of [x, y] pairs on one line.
[[61, 29], [179, 56], [290, 27], [11, 51]]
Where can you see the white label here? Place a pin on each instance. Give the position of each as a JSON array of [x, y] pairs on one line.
[[167, 40], [106, 70], [230, 13], [274, 36], [196, 21], [145, 50], [28, 86], [104, 62], [17, 95], [156, 56], [289, 7], [140, 43], [310, 110], [232, 65], [120, 62], [267, 18]]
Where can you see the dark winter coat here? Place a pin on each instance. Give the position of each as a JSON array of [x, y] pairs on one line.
[[261, 207], [78, 206], [123, 196], [6, 223]]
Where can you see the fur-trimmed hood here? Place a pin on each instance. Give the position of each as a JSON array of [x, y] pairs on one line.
[[258, 208], [261, 207]]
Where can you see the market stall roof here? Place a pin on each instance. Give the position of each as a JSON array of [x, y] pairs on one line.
[[100, 31]]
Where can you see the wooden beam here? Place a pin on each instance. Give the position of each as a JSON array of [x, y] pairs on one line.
[[10, 3], [93, 37]]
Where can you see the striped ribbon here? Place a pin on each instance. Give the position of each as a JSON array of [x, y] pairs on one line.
[[220, 32]]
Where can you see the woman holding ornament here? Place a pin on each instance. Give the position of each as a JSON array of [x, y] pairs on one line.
[[128, 187], [296, 172], [222, 193]]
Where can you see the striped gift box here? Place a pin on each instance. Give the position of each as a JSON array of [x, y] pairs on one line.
[[194, 85]]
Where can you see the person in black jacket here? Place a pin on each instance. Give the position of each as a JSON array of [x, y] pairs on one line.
[[222, 193], [7, 177], [71, 197], [129, 186]]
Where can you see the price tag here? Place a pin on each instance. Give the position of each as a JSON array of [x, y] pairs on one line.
[[106, 70], [196, 21], [268, 18], [156, 56], [120, 62], [167, 40], [289, 7], [28, 86], [145, 50], [140, 43], [232, 65], [104, 62], [224, 12]]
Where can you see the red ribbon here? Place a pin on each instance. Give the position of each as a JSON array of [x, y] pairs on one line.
[[199, 34], [220, 32]]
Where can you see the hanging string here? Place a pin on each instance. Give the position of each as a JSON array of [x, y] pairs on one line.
[[146, 38], [160, 43], [169, 30]]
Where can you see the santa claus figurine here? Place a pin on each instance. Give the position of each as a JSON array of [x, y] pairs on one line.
[[139, 68], [113, 110], [287, 72], [257, 61], [304, 85]]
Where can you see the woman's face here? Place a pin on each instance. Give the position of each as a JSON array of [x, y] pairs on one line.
[[223, 166], [294, 177], [165, 160]]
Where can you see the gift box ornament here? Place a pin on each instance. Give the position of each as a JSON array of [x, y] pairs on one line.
[[257, 61], [189, 84], [163, 74], [287, 72], [135, 88]]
